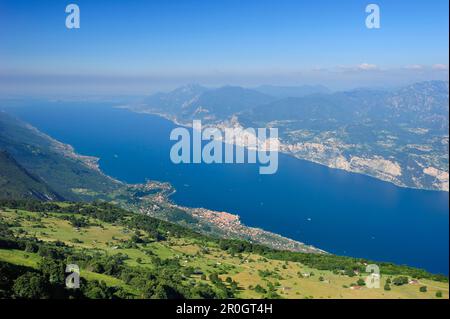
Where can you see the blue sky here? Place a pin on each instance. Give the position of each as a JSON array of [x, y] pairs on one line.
[[154, 45]]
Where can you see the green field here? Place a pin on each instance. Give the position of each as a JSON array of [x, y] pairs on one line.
[[246, 274]]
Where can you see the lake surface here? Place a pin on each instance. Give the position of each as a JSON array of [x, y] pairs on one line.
[[340, 212]]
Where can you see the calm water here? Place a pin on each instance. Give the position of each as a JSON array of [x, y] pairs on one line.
[[341, 212]]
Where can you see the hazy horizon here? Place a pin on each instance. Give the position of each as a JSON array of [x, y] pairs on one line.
[[143, 47]]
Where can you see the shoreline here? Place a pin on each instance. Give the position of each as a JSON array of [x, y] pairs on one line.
[[234, 227], [291, 154], [225, 224], [247, 227]]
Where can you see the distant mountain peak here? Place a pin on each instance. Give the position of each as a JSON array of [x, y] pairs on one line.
[[292, 91], [190, 88]]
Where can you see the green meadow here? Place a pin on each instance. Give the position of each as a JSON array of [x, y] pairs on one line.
[[203, 262]]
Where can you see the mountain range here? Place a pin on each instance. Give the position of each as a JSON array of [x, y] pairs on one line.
[[398, 135]]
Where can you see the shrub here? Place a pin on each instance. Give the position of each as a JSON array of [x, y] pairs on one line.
[[361, 282], [399, 281], [260, 289]]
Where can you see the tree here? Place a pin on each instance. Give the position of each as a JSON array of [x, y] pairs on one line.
[[423, 289], [53, 269], [234, 286], [203, 291], [439, 294], [272, 295], [98, 290], [260, 289], [136, 239], [387, 287], [163, 291], [360, 282], [31, 247], [214, 278], [31, 286]]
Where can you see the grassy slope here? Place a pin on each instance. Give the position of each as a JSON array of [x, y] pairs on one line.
[[207, 257]]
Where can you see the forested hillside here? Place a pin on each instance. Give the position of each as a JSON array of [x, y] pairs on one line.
[[17, 182]]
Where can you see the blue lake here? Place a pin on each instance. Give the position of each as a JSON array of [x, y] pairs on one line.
[[340, 212]]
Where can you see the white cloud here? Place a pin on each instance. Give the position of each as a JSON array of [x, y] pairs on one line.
[[414, 67], [367, 66], [440, 67]]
